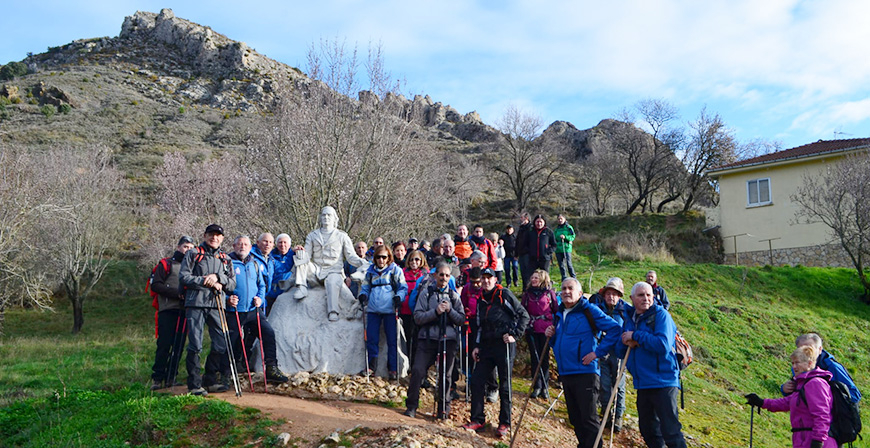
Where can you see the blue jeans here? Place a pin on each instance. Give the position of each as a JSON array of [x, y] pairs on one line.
[[565, 265], [609, 369], [511, 271], [373, 334], [658, 417]]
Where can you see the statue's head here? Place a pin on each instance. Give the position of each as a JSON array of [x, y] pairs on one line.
[[328, 218]]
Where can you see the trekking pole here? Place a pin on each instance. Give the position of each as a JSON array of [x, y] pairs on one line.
[[226, 331], [398, 323], [244, 351], [612, 395], [751, 423], [365, 340], [467, 369], [552, 405], [262, 352], [534, 378], [510, 397], [172, 355], [179, 346], [444, 381]]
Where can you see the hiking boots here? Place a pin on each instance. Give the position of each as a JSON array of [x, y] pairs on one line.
[[492, 396], [198, 391], [535, 393], [503, 431], [473, 426], [219, 387], [156, 385], [410, 412], [274, 374], [392, 376]]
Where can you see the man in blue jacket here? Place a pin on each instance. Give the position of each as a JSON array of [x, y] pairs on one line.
[[244, 303], [827, 362], [282, 267], [649, 330], [574, 338]]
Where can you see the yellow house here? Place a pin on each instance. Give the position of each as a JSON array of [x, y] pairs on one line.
[[757, 217]]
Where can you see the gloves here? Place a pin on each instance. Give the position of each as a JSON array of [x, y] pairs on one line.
[[397, 302], [754, 400], [816, 444], [363, 299]]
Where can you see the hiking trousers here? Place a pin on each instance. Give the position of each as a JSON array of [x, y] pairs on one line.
[[658, 417], [428, 351], [217, 360], [581, 398], [170, 341], [492, 354]]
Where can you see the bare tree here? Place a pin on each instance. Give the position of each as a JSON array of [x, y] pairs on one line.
[[711, 144], [646, 156], [526, 164], [840, 199], [601, 173], [77, 238], [323, 147], [21, 282]]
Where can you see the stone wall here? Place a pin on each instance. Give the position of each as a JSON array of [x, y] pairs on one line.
[[827, 255]]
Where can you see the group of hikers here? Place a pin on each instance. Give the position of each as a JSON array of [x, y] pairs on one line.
[[452, 299]]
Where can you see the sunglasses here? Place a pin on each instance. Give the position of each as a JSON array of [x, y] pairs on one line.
[[381, 257], [416, 259]]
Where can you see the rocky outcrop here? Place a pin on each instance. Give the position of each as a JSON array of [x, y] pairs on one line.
[[589, 141]]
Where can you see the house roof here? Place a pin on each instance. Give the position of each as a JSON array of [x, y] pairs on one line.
[[812, 149]]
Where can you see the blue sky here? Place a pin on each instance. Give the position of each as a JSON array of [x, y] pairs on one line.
[[782, 70]]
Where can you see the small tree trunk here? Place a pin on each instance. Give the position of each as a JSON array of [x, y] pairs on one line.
[[78, 317]]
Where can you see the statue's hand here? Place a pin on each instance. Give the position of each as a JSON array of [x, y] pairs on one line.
[[358, 276]]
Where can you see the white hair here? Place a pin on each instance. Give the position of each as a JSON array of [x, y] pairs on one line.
[[477, 255], [283, 235], [812, 339], [575, 281], [640, 285]]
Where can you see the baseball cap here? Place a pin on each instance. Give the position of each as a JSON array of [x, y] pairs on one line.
[[214, 228], [488, 271]]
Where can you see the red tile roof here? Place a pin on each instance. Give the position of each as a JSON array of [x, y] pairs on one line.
[[811, 149]]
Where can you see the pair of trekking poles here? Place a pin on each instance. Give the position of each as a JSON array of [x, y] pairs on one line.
[[228, 340], [610, 402]]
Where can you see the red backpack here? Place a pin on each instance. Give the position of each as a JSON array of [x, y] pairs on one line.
[[167, 267]]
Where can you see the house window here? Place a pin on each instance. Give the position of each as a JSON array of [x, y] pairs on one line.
[[758, 192]]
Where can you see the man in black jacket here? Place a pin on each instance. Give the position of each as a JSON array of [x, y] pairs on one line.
[[206, 273], [510, 257], [501, 319], [170, 316]]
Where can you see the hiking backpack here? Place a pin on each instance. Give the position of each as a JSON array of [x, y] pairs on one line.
[[682, 349], [167, 267], [541, 310], [845, 415]]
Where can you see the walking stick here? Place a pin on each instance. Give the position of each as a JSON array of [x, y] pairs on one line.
[[244, 351], [612, 395], [366, 340], [179, 345], [467, 369], [398, 323], [534, 378], [507, 357], [751, 423], [170, 376], [262, 352], [226, 331], [444, 382], [552, 405]]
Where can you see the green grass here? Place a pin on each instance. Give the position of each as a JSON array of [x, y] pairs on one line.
[[740, 321]]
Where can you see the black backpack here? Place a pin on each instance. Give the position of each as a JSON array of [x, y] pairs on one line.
[[845, 416]]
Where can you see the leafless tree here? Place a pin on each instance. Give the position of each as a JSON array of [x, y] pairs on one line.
[[525, 163], [601, 173], [711, 144], [76, 239], [329, 143], [22, 283], [840, 199], [646, 156]]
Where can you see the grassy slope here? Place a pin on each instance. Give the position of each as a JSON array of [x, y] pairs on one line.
[[742, 331]]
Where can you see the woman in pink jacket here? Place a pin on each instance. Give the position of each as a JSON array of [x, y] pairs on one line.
[[809, 405]]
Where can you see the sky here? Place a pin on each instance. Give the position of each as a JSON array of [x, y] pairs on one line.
[[784, 71]]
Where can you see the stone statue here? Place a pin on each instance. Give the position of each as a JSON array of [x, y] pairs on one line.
[[321, 262]]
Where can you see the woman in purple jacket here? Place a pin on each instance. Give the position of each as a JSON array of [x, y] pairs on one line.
[[810, 405]]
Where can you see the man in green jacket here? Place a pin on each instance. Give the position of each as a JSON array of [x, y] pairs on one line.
[[564, 237]]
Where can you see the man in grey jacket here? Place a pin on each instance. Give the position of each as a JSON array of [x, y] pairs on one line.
[[206, 273]]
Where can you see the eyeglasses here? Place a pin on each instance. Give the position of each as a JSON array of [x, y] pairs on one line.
[[443, 275], [381, 257], [416, 259]]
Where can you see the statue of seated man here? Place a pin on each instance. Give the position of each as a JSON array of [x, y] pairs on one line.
[[321, 261]]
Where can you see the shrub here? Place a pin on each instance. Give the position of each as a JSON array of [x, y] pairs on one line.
[[64, 108], [11, 70], [48, 110], [181, 110], [640, 246]]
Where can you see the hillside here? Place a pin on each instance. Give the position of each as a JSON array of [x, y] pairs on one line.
[[741, 322]]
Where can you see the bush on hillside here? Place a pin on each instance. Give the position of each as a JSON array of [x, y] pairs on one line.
[[640, 246], [9, 71]]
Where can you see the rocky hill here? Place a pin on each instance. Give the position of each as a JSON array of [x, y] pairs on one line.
[[167, 84]]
